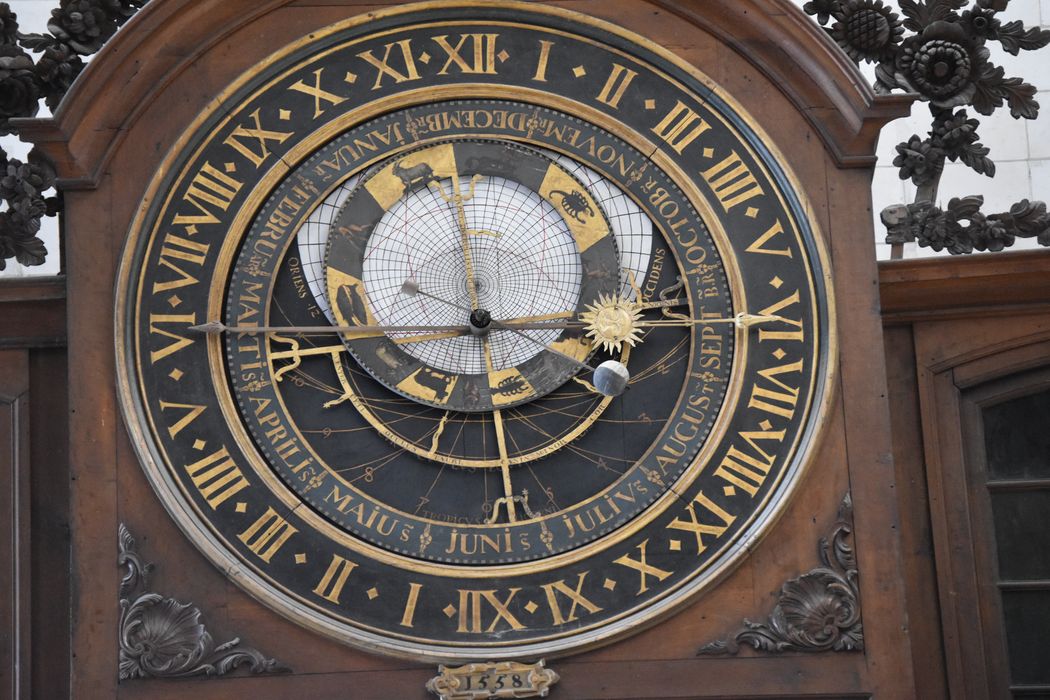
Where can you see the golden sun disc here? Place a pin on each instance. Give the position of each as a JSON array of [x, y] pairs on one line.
[[612, 321]]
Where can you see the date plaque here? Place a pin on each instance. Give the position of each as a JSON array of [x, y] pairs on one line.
[[493, 679]]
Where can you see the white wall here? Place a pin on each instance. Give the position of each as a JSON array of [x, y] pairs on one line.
[[1020, 148]]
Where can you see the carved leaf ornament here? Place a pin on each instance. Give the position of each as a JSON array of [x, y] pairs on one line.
[[817, 611], [163, 638]]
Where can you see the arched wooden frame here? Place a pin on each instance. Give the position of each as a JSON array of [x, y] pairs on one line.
[[773, 35]]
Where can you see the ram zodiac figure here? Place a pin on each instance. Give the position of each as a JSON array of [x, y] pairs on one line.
[[418, 174]]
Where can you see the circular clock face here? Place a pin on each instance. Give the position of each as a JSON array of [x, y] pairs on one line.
[[452, 336]]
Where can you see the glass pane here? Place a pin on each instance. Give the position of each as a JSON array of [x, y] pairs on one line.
[[1022, 535], [1027, 616], [1016, 437]]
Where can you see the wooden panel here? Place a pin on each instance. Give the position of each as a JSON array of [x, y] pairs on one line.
[[14, 509], [32, 312], [974, 469], [34, 491], [867, 421], [949, 505], [938, 446], [967, 286], [93, 424], [920, 573], [780, 679], [49, 503], [954, 325], [206, 44]]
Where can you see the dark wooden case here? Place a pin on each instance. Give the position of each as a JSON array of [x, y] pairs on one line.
[[117, 124]]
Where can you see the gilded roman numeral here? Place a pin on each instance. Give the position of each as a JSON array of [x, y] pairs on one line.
[[190, 413], [732, 181], [472, 611], [320, 95], [541, 62], [643, 567], [210, 191], [777, 309], [700, 506], [175, 253], [217, 477], [615, 85], [383, 65], [748, 470], [575, 596], [775, 396], [759, 246], [241, 140], [410, 604], [178, 342], [482, 56], [334, 579], [680, 127], [267, 534]]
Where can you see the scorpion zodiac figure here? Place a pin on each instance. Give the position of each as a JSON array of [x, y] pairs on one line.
[[574, 204], [511, 386]]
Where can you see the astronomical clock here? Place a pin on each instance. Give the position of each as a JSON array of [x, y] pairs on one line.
[[467, 331]]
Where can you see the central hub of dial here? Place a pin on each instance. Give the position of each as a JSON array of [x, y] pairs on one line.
[[480, 321]]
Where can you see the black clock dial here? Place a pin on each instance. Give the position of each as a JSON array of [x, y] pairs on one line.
[[388, 461], [458, 337]]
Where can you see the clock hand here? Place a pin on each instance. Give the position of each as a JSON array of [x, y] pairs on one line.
[[426, 337], [610, 377], [741, 320], [483, 325], [612, 322], [504, 464], [570, 316], [411, 288], [501, 442], [559, 316], [663, 303], [479, 318], [457, 198], [217, 327]]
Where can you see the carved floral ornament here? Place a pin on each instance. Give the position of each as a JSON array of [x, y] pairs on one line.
[[945, 61], [817, 611], [163, 638], [77, 28]]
